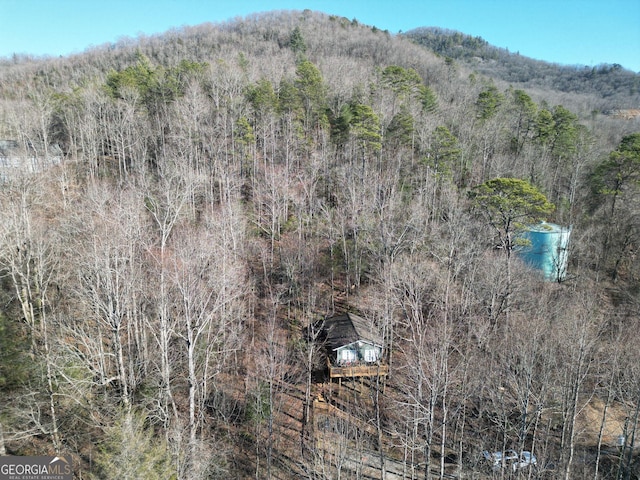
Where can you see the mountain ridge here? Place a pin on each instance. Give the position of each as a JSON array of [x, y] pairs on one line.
[[612, 82]]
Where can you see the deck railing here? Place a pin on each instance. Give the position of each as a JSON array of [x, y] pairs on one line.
[[357, 369]]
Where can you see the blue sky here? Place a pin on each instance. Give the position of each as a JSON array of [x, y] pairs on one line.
[[573, 32]]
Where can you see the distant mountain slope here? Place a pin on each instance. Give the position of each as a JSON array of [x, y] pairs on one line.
[[618, 86]]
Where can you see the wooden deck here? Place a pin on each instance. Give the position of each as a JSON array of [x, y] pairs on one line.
[[360, 370]]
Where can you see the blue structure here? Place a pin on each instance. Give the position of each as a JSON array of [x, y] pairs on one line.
[[547, 250]]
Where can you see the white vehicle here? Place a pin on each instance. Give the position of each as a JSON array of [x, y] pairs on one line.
[[510, 458]]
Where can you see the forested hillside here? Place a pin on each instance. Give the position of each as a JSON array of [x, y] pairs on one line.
[[179, 212], [615, 86]]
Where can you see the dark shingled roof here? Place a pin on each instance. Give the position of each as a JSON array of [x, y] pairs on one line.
[[348, 328]]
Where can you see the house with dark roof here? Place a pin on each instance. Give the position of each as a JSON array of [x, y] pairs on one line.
[[351, 346]]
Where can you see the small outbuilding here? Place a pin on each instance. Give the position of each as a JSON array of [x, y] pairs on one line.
[[351, 347]]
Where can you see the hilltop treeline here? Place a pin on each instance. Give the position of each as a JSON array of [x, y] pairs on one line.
[[222, 187], [616, 86]]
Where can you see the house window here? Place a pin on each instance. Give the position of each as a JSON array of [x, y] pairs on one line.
[[346, 356], [371, 355]]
